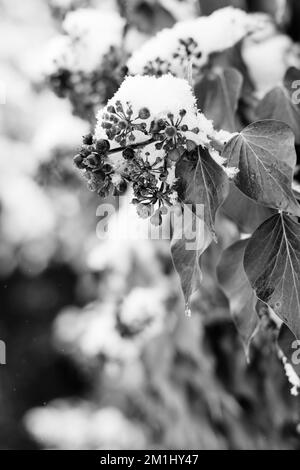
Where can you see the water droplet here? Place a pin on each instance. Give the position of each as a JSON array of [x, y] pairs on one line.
[[188, 311]]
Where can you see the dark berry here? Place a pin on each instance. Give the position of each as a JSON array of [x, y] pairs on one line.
[[85, 152], [128, 153], [100, 175], [161, 124], [120, 189], [107, 168], [78, 161], [92, 160], [102, 146], [88, 139], [163, 176]]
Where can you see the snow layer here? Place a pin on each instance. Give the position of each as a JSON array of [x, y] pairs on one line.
[[89, 34], [213, 33]]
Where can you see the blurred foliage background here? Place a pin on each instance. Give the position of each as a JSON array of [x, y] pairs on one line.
[[99, 352]]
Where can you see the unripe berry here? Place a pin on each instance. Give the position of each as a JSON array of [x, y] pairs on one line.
[[111, 109], [156, 219], [143, 211], [164, 210], [144, 113], [174, 155], [171, 132]]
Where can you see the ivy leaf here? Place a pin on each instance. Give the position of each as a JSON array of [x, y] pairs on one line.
[[290, 347], [202, 188], [274, 8], [191, 237], [272, 264], [283, 103], [202, 184], [265, 155], [209, 6], [147, 17], [247, 214], [218, 94], [236, 286]]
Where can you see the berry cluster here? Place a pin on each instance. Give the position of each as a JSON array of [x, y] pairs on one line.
[[149, 180], [157, 67], [140, 137], [153, 190], [187, 52], [87, 90], [92, 158]]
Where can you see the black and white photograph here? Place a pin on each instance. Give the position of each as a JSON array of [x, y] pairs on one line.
[[149, 229]]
